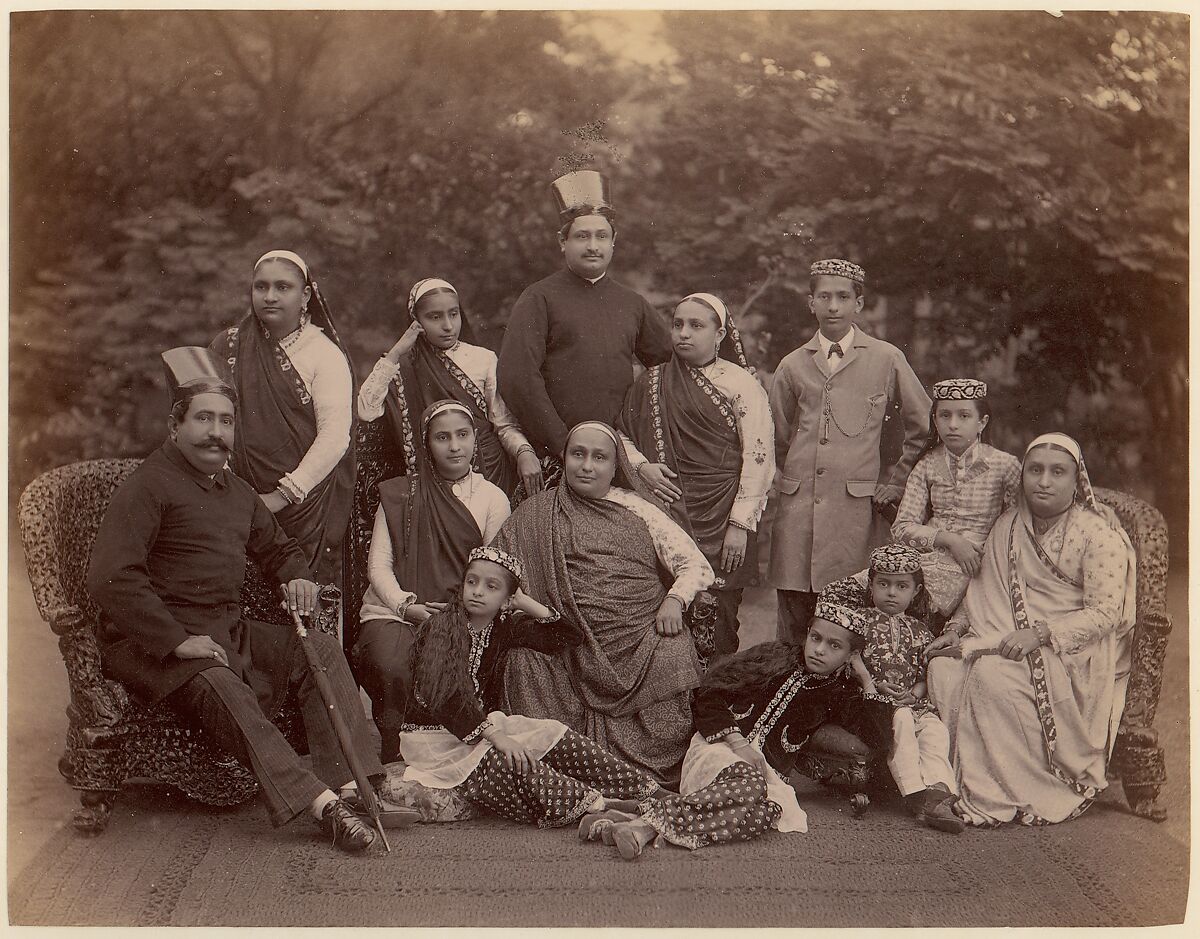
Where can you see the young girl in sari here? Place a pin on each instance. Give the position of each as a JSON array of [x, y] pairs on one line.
[[699, 434], [956, 491], [455, 737], [753, 714], [295, 386], [433, 360], [426, 526]]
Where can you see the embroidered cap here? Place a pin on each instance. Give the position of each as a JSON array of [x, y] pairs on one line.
[[496, 556], [895, 559], [836, 267], [959, 389], [583, 192], [842, 616]]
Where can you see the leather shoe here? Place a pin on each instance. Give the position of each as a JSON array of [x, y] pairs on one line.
[[348, 831]]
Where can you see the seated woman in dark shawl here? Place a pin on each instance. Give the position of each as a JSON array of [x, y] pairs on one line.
[[434, 360], [426, 526], [295, 386], [698, 432], [597, 552]]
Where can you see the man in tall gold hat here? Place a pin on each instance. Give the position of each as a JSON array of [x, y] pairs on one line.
[[167, 570], [572, 337]]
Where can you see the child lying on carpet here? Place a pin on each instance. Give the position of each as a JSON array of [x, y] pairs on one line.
[[521, 768], [753, 713]]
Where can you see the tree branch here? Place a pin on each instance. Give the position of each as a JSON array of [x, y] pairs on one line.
[[217, 25]]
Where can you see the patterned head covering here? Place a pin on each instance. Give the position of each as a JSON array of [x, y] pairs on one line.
[[843, 616], [441, 407], [836, 267], [959, 389], [422, 287], [1084, 493], [496, 556], [895, 559]]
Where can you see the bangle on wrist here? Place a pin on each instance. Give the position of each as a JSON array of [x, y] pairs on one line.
[[1043, 632], [679, 600], [525, 448], [402, 608], [287, 496]]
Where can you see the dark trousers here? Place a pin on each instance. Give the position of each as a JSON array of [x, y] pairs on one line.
[[227, 710], [795, 612], [383, 660], [725, 631]]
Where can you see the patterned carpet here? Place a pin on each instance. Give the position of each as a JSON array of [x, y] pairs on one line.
[[165, 862]]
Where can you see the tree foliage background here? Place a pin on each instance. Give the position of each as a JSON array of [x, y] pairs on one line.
[[1015, 183]]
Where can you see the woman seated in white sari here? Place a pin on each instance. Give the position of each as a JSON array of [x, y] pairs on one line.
[[1030, 674]]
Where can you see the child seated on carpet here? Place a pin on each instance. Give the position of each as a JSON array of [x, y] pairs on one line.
[[521, 768], [753, 713], [896, 640]]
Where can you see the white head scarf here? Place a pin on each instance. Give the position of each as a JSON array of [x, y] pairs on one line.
[[422, 287], [278, 254], [709, 300]]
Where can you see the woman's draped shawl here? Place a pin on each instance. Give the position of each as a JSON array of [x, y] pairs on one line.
[[1080, 696], [426, 375], [594, 561], [677, 416], [276, 425], [432, 533]]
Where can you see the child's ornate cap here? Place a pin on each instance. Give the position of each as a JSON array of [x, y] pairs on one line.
[[496, 556], [959, 389], [836, 267], [895, 559], [842, 616]]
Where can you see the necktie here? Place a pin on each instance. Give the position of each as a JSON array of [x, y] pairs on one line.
[[835, 349]]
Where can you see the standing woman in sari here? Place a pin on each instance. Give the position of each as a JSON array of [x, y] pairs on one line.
[[1030, 674], [295, 388], [699, 434], [435, 360], [619, 568]]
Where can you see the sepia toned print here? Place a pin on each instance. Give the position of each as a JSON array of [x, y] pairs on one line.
[[735, 492]]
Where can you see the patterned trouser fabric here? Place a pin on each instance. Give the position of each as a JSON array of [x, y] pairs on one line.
[[563, 785], [733, 807]]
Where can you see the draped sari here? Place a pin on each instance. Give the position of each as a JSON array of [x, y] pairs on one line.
[[676, 416], [426, 375], [432, 533], [624, 686], [1032, 738], [277, 423]]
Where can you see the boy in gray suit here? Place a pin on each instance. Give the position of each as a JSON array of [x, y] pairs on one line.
[[829, 399]]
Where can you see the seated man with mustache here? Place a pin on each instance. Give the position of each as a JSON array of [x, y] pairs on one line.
[[167, 570]]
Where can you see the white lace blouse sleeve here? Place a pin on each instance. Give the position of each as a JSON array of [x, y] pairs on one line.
[[332, 392], [677, 552], [757, 429], [1100, 553], [381, 566], [374, 390], [512, 438], [636, 457]]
